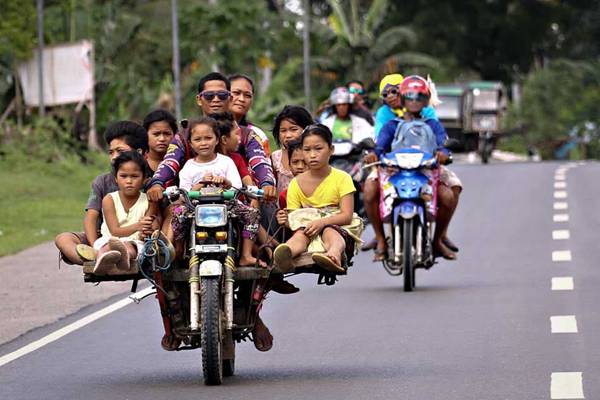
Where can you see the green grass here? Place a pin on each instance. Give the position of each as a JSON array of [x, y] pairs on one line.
[[40, 200]]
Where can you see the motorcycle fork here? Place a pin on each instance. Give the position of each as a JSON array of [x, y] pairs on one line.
[[194, 281], [229, 279], [419, 243], [397, 243]]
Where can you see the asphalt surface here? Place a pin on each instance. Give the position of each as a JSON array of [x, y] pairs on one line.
[[476, 328]]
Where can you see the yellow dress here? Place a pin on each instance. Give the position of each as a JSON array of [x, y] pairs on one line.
[[324, 202]]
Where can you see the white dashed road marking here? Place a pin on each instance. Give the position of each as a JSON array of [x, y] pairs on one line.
[[566, 385], [560, 177], [563, 283], [561, 217], [563, 324], [560, 185], [560, 234], [561, 205], [560, 194], [561, 255]]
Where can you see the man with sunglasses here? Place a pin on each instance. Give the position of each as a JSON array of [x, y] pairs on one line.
[[414, 94], [213, 97]]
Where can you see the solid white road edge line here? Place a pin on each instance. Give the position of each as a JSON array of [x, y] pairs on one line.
[[561, 234], [560, 218], [566, 385], [563, 324], [563, 283], [561, 205], [31, 347], [561, 255]]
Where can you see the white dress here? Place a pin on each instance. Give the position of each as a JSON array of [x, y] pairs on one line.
[[124, 218]]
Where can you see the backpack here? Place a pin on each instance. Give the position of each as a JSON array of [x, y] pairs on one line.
[[415, 134]]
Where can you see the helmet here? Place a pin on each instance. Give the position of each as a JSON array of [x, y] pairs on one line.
[[415, 84], [392, 79], [340, 95]]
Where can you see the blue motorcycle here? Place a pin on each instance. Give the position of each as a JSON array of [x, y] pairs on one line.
[[409, 181]]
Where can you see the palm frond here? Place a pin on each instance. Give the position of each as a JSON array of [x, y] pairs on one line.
[[340, 17], [374, 17], [390, 40]]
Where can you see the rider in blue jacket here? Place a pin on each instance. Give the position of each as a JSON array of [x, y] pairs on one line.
[[415, 95]]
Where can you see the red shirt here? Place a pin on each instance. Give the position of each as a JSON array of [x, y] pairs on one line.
[[240, 163], [283, 199]]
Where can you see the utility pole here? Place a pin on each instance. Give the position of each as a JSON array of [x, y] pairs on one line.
[[40, 23], [175, 31], [306, 48]]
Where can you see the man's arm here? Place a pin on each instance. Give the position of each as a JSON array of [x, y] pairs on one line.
[[90, 225], [385, 138], [258, 161]]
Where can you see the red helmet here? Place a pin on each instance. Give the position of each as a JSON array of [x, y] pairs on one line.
[[415, 84]]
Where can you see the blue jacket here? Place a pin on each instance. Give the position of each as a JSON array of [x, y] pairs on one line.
[[385, 114], [387, 133]]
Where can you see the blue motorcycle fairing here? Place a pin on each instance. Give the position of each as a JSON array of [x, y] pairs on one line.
[[408, 210], [408, 183]]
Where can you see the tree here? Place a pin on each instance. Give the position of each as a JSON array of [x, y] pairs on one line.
[[363, 49]]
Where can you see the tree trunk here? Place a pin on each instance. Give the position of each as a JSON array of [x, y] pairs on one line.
[[18, 98]]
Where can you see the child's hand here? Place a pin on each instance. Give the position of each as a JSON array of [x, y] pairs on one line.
[[282, 217], [197, 186], [314, 228], [146, 224], [217, 180]]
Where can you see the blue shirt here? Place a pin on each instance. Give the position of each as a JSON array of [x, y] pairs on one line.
[[387, 133]]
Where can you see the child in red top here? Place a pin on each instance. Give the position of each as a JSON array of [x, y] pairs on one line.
[[297, 166], [229, 141]]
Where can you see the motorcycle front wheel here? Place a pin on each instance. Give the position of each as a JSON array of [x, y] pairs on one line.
[[210, 330], [407, 256]]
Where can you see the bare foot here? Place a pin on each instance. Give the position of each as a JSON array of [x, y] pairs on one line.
[[439, 250], [251, 262], [263, 340]]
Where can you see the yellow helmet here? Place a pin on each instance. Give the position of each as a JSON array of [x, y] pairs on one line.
[[392, 79]]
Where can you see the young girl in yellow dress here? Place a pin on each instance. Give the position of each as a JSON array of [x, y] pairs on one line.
[[320, 203]]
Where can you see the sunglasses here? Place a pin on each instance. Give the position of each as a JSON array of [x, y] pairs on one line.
[[221, 95], [393, 92], [413, 96], [354, 90]]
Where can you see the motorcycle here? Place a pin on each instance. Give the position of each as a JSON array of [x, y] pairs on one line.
[[348, 157], [206, 301], [411, 197]]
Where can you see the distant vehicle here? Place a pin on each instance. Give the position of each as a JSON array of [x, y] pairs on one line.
[[472, 113]]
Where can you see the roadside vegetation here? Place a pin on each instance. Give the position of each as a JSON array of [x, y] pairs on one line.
[[44, 186]]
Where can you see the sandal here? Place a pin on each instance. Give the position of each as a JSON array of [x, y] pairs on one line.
[[261, 336], [117, 245], [85, 252], [106, 262], [450, 245], [380, 255], [282, 257], [281, 286], [170, 342], [328, 262]]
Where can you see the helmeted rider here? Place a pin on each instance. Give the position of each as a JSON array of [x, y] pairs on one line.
[[343, 123], [414, 96]]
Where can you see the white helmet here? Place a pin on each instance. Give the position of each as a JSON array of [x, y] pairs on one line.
[[340, 95]]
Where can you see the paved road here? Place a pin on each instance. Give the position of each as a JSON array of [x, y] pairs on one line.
[[478, 328]]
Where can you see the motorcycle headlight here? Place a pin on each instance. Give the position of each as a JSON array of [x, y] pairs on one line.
[[409, 160], [211, 216]]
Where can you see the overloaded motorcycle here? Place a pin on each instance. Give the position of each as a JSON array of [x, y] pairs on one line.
[[209, 302], [409, 196], [348, 157]]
